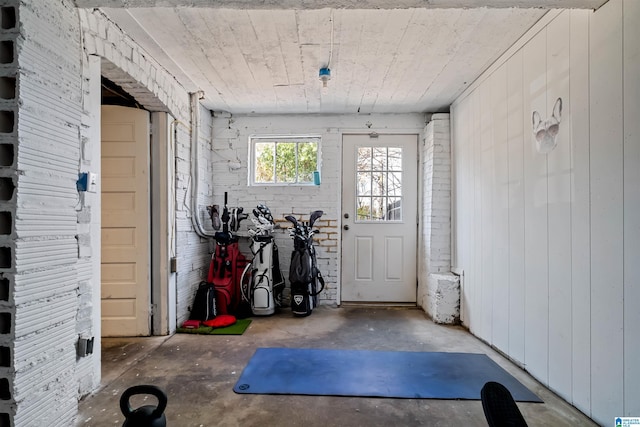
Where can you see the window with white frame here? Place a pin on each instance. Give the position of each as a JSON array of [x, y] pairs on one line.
[[286, 160]]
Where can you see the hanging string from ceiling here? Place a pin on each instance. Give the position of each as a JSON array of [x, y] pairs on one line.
[[325, 72], [331, 45]]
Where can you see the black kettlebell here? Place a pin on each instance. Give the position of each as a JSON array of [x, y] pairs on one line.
[[144, 416]]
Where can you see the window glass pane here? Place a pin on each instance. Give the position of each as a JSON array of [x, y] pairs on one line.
[[379, 158], [364, 159], [378, 209], [395, 184], [364, 208], [263, 170], [378, 184], [364, 183], [307, 161], [395, 158], [394, 209], [285, 162]]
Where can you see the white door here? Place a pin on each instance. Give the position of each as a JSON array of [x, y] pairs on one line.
[[125, 261], [379, 208]]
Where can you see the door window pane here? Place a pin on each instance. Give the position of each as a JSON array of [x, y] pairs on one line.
[[379, 158], [364, 184], [394, 209], [379, 184], [378, 209], [395, 184], [364, 208], [395, 158], [364, 159]]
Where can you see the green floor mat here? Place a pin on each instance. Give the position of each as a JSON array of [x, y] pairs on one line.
[[237, 328]]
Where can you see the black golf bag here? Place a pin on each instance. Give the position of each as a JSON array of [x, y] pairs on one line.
[[304, 275]]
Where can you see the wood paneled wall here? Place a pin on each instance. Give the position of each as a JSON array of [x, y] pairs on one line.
[[549, 242]]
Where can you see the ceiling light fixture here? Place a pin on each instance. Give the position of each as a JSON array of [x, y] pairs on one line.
[[325, 72], [325, 76]]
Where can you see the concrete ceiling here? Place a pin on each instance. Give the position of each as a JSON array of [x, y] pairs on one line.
[[265, 58]]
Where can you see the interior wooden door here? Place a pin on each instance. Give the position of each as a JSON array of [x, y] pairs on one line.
[[125, 262]]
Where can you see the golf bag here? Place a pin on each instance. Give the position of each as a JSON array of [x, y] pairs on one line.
[[304, 275], [227, 264], [204, 303], [262, 282]]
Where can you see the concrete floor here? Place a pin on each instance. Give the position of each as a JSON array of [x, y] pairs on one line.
[[198, 373]]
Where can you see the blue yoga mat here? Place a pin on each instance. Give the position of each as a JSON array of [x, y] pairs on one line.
[[399, 374]]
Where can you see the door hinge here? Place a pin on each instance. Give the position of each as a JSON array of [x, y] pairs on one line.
[[152, 309]]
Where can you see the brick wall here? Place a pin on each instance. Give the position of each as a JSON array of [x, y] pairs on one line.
[[230, 159], [436, 169], [130, 67], [438, 288], [193, 251], [88, 232]]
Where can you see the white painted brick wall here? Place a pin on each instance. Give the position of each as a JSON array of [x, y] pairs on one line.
[[88, 323], [192, 250], [436, 215], [443, 298], [230, 145], [133, 69], [129, 66], [438, 289]]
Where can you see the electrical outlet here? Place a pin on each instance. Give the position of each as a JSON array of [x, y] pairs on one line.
[[84, 346], [87, 181], [92, 182]]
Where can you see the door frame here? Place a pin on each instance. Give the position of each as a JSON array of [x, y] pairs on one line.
[[419, 194], [162, 187]]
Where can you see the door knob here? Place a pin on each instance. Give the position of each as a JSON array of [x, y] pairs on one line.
[[346, 227], [346, 215]]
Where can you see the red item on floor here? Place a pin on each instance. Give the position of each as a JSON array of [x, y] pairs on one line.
[[220, 321], [191, 324]]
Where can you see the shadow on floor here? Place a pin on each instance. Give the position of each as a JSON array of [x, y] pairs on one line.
[[198, 373]]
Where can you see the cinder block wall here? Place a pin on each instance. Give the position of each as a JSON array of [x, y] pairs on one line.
[[9, 32], [41, 124], [230, 147]]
